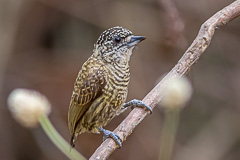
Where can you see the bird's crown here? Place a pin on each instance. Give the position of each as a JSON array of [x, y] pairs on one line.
[[115, 33]]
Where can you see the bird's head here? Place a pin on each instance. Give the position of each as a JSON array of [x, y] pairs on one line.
[[116, 45]]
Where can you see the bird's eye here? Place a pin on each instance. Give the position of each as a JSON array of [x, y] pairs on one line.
[[117, 39]]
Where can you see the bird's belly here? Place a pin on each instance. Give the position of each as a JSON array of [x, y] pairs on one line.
[[103, 110]]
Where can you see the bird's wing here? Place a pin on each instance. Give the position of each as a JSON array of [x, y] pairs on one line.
[[87, 88]]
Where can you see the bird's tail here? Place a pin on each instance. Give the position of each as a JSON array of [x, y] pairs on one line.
[[72, 141]]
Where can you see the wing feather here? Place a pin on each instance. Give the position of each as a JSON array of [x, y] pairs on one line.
[[87, 88]]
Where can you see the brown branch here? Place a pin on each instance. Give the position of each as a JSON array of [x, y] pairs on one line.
[[190, 57]]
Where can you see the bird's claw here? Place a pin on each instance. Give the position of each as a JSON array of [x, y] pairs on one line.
[[110, 134], [137, 103]]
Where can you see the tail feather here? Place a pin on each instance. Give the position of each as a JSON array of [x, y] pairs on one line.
[[72, 141]]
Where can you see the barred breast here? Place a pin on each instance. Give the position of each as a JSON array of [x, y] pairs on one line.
[[110, 103]]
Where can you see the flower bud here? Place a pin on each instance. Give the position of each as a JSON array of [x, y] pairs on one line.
[[177, 93], [27, 106]]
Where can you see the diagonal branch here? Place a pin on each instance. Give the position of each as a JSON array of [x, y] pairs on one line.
[[190, 57]]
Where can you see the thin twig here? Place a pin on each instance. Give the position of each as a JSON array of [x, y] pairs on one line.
[[190, 57]]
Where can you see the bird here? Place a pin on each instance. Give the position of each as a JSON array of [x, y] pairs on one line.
[[101, 87]]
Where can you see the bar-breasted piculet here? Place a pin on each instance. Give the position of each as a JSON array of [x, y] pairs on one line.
[[101, 87]]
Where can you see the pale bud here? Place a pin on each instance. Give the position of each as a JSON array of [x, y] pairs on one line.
[[177, 93], [27, 106]]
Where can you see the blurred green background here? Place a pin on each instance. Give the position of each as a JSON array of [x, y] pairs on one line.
[[43, 44]]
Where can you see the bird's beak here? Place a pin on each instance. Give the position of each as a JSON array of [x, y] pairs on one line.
[[135, 40]]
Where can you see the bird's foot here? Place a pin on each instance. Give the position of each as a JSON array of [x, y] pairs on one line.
[[137, 103], [112, 135]]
